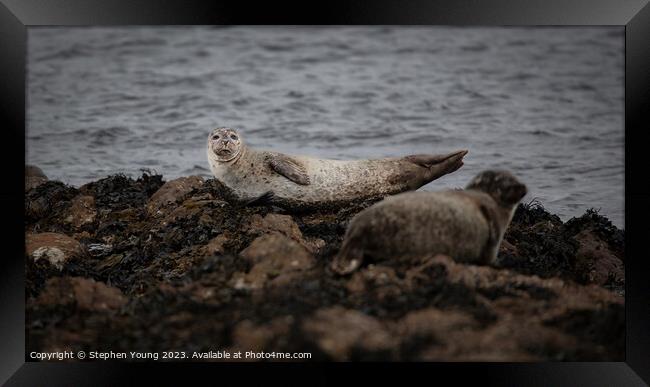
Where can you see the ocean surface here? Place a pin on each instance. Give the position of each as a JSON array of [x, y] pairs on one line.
[[544, 102]]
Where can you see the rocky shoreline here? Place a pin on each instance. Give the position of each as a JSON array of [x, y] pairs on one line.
[[146, 265]]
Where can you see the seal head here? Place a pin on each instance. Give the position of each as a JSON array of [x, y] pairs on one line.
[[501, 185], [225, 145]]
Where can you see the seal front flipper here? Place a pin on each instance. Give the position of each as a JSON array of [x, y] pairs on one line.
[[491, 248], [347, 260], [289, 168]]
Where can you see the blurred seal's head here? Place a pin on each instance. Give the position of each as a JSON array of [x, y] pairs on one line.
[[224, 144], [504, 188]]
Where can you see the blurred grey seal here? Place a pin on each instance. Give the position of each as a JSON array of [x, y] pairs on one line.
[[467, 225], [254, 174]]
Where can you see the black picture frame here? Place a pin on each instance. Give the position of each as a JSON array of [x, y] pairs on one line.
[[17, 15]]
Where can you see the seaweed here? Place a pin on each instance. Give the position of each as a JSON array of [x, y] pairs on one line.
[[182, 296]]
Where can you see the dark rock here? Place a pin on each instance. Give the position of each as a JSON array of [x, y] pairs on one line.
[[119, 192], [533, 212], [47, 203], [541, 246]]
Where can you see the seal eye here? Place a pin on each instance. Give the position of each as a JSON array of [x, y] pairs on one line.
[[233, 137], [215, 137]]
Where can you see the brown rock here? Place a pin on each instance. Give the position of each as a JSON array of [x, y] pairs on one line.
[[517, 294], [84, 293], [216, 245], [432, 322], [173, 191], [337, 331], [180, 212], [56, 248], [427, 270], [285, 225], [248, 336], [510, 339], [34, 171], [81, 235], [484, 277], [201, 294], [34, 177], [315, 244], [596, 261], [276, 259], [82, 211], [455, 336], [277, 247], [508, 248], [381, 280]]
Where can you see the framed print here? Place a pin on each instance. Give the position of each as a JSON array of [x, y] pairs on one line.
[[443, 187]]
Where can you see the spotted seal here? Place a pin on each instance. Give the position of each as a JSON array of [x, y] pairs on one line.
[[467, 225], [253, 174]]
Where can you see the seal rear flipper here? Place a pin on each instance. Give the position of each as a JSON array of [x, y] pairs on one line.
[[428, 161], [289, 168], [347, 260], [438, 166]]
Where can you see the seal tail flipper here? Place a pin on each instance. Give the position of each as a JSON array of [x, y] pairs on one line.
[[438, 165], [347, 260], [428, 161]]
